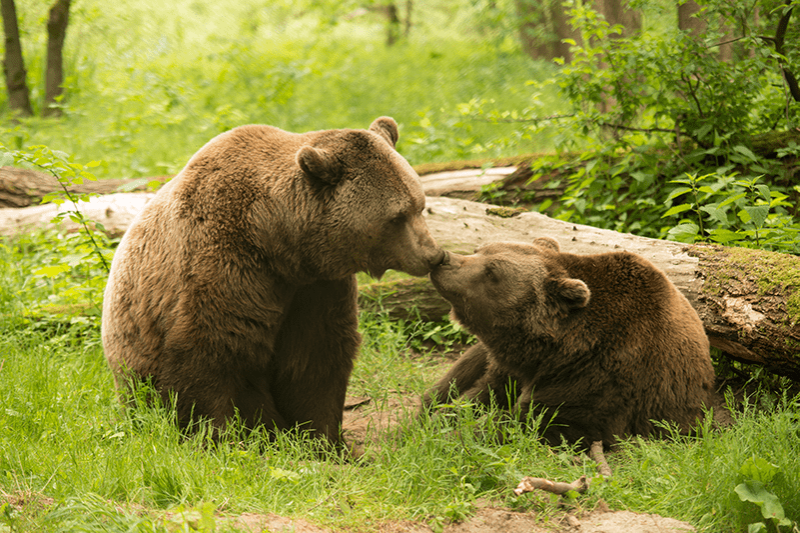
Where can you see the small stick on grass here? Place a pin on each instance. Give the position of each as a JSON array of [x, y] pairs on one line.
[[529, 484], [596, 454]]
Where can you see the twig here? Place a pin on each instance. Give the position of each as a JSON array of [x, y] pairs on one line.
[[529, 484], [596, 454]]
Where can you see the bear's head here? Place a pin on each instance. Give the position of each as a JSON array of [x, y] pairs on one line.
[[508, 286], [372, 202]]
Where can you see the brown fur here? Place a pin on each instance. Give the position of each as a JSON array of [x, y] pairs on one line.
[[235, 287], [604, 341]]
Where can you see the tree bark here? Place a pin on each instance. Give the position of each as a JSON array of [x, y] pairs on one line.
[[54, 76], [13, 64], [23, 188], [687, 19], [393, 24]]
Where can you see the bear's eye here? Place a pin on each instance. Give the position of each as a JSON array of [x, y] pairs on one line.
[[490, 273], [398, 219]]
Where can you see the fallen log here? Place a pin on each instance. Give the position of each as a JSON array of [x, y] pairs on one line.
[[749, 300], [21, 187]]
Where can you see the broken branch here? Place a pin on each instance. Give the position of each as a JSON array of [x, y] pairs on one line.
[[529, 484]]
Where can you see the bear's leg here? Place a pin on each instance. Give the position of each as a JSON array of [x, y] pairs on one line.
[[221, 395], [463, 376], [316, 348]]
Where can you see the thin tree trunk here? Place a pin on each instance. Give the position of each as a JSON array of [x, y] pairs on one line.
[[393, 27], [407, 24], [687, 20], [54, 76], [13, 64]]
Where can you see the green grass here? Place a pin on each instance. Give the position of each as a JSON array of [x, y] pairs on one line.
[[82, 462]]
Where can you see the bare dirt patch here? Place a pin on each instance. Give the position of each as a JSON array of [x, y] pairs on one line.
[[491, 520]]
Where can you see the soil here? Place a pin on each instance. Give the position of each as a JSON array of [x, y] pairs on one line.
[[492, 520]]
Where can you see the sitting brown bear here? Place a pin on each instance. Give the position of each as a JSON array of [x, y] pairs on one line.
[[234, 288], [602, 344]]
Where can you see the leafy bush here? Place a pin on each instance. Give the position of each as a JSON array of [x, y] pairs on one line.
[[646, 111]]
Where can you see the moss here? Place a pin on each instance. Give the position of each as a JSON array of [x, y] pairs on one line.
[[771, 272], [505, 212]]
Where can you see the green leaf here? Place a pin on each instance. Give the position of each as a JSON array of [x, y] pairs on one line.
[[676, 209], [684, 232], [754, 491], [759, 469], [745, 151], [756, 527], [679, 191], [724, 236], [52, 271], [720, 215], [758, 214], [731, 199], [765, 193]]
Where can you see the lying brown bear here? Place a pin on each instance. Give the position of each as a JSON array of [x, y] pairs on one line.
[[606, 343]]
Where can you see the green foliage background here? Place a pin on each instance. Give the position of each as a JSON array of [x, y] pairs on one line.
[[150, 82]]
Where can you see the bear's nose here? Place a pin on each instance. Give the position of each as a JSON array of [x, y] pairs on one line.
[[442, 258]]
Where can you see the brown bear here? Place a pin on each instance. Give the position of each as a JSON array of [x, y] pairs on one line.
[[601, 345], [234, 288]]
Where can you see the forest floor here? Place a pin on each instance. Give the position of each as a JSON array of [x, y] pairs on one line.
[[363, 419]]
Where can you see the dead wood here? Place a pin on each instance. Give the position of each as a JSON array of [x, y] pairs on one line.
[[22, 187], [596, 454], [530, 484]]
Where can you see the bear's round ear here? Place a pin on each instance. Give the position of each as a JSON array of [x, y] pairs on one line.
[[572, 292], [319, 165], [547, 242], [386, 127]]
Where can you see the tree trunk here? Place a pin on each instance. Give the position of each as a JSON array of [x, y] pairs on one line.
[[543, 28], [13, 64], [407, 22], [749, 300], [618, 12], [22, 188], [687, 19], [54, 76], [393, 26]]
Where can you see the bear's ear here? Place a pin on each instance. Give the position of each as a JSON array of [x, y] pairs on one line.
[[547, 242], [319, 165], [386, 127], [573, 292]]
